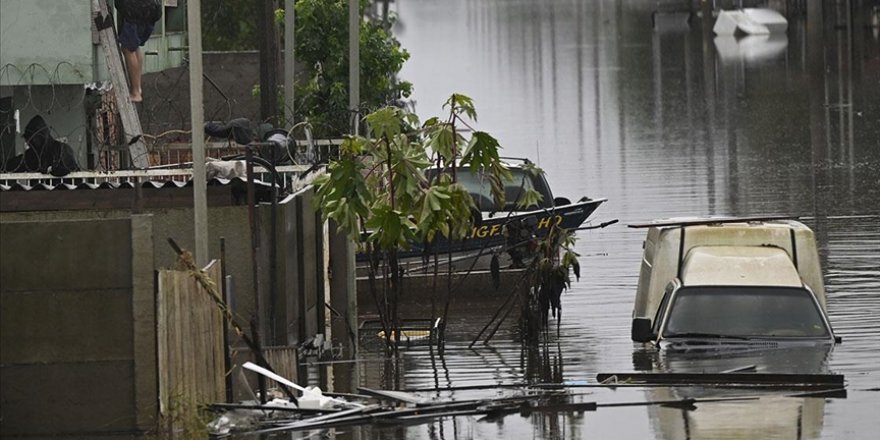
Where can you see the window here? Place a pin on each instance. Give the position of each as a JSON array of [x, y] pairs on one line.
[[481, 190], [746, 311]]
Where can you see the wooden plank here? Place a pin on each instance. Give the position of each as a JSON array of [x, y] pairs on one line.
[[130, 121], [283, 360], [162, 338], [767, 379]]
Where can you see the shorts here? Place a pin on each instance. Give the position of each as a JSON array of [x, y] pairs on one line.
[[134, 35]]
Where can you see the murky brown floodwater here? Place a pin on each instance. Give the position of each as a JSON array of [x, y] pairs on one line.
[[662, 125]]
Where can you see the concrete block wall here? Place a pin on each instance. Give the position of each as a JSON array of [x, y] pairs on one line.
[[76, 312], [78, 305]]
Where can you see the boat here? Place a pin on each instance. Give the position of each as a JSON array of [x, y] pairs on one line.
[[506, 231], [750, 21]]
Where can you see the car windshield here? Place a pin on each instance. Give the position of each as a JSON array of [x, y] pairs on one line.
[[745, 311], [481, 190]]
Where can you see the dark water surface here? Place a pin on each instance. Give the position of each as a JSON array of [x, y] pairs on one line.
[[662, 125]]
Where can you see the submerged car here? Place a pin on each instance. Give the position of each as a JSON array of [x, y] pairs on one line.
[[743, 282]]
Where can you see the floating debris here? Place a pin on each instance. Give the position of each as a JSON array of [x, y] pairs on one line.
[[315, 410]]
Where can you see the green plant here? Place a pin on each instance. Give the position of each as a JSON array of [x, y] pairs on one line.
[[229, 25], [184, 418], [551, 267], [378, 190], [322, 47], [321, 91]]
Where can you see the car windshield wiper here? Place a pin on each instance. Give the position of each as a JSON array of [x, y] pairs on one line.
[[705, 335]]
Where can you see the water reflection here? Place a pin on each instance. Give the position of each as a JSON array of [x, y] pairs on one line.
[[808, 358], [752, 49], [663, 123], [769, 417]]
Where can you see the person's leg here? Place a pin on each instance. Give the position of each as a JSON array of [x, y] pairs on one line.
[[129, 40], [134, 64]]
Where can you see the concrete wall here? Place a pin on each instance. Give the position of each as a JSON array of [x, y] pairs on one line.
[[79, 327], [230, 78], [76, 355], [230, 222]]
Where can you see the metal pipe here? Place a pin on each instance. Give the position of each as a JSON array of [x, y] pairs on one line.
[[224, 285]]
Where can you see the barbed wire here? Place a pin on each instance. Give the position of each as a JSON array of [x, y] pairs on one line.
[[98, 140]]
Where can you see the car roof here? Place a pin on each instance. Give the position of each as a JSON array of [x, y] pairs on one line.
[[739, 266]]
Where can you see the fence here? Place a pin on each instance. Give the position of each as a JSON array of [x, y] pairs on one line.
[[189, 333]]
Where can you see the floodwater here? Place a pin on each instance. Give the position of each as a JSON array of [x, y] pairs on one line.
[[663, 123]]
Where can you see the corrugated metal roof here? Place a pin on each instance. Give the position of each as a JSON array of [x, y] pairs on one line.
[[149, 184], [156, 178]]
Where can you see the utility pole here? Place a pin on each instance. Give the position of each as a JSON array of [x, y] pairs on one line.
[[268, 61], [289, 59], [197, 111], [354, 63]]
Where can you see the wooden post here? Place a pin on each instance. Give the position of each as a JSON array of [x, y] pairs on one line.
[[343, 290], [131, 124]]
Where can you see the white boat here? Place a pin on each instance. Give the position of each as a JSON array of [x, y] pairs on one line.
[[750, 21]]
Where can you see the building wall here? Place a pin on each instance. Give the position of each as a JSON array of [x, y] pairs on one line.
[[45, 42], [76, 355], [229, 222], [51, 42], [78, 341], [228, 92]]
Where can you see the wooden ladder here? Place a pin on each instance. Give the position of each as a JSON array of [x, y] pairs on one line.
[[131, 124]]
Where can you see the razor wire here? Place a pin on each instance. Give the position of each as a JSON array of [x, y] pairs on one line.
[[164, 114]]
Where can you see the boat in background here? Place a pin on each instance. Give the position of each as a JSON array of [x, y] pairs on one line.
[[750, 21]]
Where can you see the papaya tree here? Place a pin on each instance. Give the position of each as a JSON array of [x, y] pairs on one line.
[[379, 193]]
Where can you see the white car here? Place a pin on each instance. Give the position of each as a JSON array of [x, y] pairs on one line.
[[710, 281]]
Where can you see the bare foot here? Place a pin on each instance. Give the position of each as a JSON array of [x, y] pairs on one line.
[[136, 97]]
